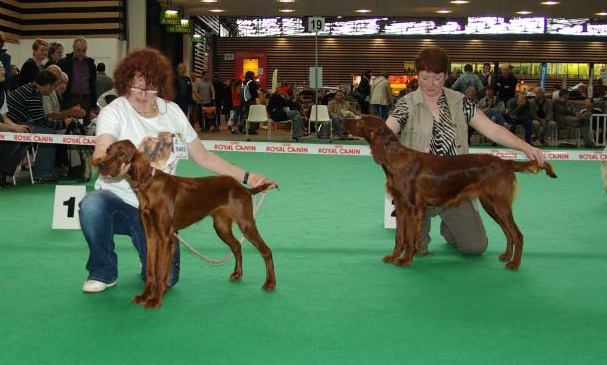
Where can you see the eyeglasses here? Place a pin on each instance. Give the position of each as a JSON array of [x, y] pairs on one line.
[[135, 89]]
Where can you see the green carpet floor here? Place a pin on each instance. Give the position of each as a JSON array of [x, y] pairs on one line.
[[335, 302]]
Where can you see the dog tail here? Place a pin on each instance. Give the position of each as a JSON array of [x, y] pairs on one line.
[[531, 166], [260, 188]]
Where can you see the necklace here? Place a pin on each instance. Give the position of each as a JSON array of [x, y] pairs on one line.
[[150, 113]]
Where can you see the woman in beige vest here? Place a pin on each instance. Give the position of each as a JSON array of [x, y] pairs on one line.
[[435, 119]]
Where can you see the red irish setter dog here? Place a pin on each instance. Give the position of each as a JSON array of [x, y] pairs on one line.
[[416, 180], [168, 203]]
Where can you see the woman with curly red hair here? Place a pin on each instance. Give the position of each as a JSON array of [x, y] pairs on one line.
[[144, 114]]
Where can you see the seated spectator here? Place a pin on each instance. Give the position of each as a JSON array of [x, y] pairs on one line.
[[6, 125], [279, 109], [566, 117], [468, 79], [494, 108], [339, 109], [587, 112], [544, 125], [25, 107], [521, 113]]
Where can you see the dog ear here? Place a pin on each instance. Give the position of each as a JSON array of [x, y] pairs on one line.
[[140, 171]]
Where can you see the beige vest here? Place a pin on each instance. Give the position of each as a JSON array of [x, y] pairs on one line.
[[417, 132]]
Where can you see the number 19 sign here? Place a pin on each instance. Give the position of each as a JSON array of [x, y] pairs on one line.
[[316, 24]]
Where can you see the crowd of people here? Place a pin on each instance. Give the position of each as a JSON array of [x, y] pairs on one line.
[[47, 97]]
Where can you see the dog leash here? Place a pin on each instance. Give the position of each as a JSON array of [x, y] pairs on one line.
[[256, 204]]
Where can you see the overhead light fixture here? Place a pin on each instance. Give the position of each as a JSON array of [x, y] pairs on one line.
[[170, 15], [550, 2], [286, 10], [216, 10], [459, 2], [443, 11], [602, 13], [208, 1], [363, 11], [286, 1], [524, 12]]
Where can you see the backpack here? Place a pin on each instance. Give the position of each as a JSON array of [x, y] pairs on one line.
[[245, 93]]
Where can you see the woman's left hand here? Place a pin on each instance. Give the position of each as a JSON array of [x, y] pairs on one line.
[[534, 153], [256, 180]]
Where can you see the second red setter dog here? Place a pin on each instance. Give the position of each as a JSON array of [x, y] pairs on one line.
[[168, 203], [417, 180]]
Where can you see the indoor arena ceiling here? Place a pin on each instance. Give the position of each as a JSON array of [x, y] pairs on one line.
[[394, 8]]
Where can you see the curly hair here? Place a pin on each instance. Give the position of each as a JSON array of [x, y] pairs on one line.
[[149, 63], [432, 59]]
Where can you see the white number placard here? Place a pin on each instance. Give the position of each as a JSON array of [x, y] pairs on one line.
[[316, 24], [65, 211]]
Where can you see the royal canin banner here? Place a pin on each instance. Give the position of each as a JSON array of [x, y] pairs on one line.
[[305, 149]]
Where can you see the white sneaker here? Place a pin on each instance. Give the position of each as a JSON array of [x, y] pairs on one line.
[[95, 286]]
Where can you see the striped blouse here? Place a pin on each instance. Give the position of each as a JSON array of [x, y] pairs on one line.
[[443, 130]]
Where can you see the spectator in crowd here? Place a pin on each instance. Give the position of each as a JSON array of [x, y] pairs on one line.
[[227, 108], [249, 95], [103, 81], [55, 53], [364, 91], [218, 85], [587, 112], [521, 113], [183, 89], [15, 77], [25, 106], [543, 125], [282, 108], [555, 92], [455, 74], [206, 99], [600, 91], [435, 119], [468, 79], [33, 65], [339, 108], [144, 81], [566, 117], [486, 75], [506, 84], [5, 61], [381, 95], [236, 122], [82, 86], [6, 125], [52, 101], [494, 108]]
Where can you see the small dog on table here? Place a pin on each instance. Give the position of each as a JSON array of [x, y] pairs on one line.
[[416, 180], [168, 203]]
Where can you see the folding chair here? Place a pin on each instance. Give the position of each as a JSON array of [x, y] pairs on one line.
[[320, 114], [31, 156], [258, 114], [598, 125]]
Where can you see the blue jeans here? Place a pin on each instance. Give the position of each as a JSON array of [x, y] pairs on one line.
[[496, 116], [527, 125], [102, 215], [45, 155]]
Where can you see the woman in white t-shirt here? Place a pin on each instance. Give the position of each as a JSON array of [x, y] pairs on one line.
[[143, 114]]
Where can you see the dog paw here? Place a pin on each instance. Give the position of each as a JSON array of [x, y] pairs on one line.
[[269, 285], [403, 262], [389, 259], [153, 303], [512, 265], [505, 256], [236, 276], [139, 299]]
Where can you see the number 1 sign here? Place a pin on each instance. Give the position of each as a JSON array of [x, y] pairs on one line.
[[65, 212]]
